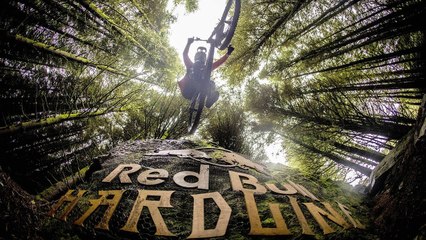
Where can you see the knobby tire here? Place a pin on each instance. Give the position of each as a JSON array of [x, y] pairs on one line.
[[223, 44]]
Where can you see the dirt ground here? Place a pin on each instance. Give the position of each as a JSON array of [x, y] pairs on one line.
[[398, 208]]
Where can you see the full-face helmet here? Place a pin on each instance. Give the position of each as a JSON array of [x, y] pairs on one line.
[[200, 55]]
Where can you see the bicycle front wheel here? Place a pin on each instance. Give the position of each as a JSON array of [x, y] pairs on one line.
[[228, 23], [195, 110]]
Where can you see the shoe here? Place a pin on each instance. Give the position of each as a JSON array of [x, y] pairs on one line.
[[212, 98]]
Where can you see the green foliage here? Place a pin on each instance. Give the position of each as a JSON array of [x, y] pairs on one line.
[[228, 125], [190, 5], [227, 128], [157, 114], [74, 78], [341, 81]]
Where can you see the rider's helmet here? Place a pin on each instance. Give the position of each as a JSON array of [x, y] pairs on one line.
[[200, 55]]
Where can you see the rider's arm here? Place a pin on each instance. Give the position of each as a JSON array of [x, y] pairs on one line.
[[186, 59], [219, 62]]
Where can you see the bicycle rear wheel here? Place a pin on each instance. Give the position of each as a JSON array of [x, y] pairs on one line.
[[227, 25], [195, 110]]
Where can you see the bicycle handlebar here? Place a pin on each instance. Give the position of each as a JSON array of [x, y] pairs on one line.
[[199, 39]]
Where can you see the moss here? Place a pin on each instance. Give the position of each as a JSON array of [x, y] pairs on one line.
[[56, 229], [217, 155], [179, 218], [61, 186]]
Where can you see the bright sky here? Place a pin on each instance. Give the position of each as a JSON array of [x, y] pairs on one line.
[[200, 24], [275, 152]]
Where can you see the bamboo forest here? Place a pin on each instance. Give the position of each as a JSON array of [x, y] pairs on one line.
[[325, 99]]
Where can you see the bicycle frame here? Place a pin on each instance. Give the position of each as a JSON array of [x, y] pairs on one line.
[[220, 40]]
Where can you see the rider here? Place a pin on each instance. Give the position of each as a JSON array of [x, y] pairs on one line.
[[186, 84]]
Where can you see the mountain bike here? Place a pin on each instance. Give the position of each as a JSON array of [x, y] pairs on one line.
[[220, 38]]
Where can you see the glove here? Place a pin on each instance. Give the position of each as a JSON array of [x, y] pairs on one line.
[[190, 40], [230, 49]]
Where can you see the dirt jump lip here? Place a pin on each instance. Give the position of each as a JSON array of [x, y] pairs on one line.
[[205, 155]]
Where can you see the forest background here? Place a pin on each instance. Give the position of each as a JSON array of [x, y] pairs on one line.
[[338, 82]]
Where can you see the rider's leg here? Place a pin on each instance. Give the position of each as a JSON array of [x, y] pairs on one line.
[[188, 92], [213, 96], [187, 88]]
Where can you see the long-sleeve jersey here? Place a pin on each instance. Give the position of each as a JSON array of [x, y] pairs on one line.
[[189, 63], [184, 83]]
